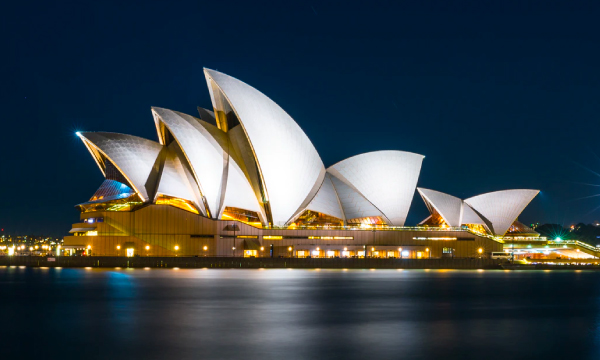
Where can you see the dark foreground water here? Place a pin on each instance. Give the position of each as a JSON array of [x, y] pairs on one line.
[[298, 314]]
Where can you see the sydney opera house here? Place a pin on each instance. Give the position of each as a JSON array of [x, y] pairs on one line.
[[243, 179]]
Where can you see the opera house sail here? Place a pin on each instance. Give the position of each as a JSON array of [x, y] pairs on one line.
[[246, 168]]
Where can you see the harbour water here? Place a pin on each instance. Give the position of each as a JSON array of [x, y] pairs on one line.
[[298, 314]]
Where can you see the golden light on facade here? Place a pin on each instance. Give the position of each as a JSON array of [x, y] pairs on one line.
[[426, 249], [176, 247], [205, 248], [118, 247], [290, 248], [262, 248], [147, 247], [480, 250], [89, 246]]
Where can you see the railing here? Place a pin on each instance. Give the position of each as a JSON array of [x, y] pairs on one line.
[[574, 242]]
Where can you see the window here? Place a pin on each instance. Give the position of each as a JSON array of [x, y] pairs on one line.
[[330, 253], [129, 252], [315, 253], [447, 251], [250, 253], [346, 253]]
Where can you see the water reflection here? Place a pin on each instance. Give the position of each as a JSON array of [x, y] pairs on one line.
[[300, 314]]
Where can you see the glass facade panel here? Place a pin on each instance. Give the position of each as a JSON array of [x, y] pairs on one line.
[[176, 202], [369, 220], [313, 218], [242, 215]]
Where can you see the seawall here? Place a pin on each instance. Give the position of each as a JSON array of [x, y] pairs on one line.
[[247, 263]]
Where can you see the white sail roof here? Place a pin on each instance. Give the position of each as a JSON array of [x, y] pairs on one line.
[[200, 144], [354, 205], [174, 182], [133, 156], [387, 179], [449, 207], [469, 216], [289, 165], [239, 193], [326, 201], [501, 208]]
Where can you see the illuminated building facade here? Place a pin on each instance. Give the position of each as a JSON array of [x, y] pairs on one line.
[[244, 179]]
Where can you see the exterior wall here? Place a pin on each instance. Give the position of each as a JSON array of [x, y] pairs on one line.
[[163, 227]]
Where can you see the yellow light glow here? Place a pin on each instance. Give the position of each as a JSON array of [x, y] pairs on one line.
[[345, 249], [427, 249], [290, 248], [205, 248], [262, 248], [89, 246], [480, 250], [37, 247], [31, 248], [175, 268], [176, 247], [372, 249], [271, 237], [147, 247]]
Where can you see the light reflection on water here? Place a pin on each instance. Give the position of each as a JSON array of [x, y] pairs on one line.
[[299, 314]]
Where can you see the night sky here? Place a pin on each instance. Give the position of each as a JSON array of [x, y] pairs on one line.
[[496, 95]]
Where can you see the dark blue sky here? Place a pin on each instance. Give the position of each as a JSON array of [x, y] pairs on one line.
[[496, 95]]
